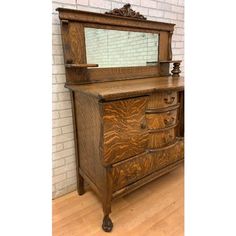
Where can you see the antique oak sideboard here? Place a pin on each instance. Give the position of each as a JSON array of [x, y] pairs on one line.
[[127, 107]]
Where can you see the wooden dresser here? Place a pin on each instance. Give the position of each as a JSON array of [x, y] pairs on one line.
[[128, 120]]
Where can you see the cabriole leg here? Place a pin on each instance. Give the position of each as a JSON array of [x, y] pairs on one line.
[[107, 224]]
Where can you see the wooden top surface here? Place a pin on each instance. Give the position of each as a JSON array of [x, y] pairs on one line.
[[129, 88]]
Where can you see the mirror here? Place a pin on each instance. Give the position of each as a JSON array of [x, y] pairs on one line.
[[115, 48]]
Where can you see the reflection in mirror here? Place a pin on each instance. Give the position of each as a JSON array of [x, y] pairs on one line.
[[114, 48]]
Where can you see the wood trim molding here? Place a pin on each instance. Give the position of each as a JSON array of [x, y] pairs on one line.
[[161, 110], [163, 129], [170, 45], [105, 19], [80, 65], [154, 150]]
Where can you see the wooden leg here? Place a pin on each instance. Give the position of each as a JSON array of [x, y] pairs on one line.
[[80, 185], [107, 224]]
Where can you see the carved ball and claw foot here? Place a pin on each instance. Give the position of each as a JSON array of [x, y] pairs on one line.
[[107, 224]]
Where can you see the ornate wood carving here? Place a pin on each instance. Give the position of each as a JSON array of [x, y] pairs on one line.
[[127, 12]]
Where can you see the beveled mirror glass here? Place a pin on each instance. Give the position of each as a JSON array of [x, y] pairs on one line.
[[116, 48]]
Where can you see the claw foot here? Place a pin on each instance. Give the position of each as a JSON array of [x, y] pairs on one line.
[[107, 224]]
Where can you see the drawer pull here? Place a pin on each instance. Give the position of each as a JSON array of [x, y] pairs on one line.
[[143, 125], [169, 122], [169, 101]]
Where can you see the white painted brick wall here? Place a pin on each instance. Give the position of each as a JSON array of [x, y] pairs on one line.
[[63, 160]]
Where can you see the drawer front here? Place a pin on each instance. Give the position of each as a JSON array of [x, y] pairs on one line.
[[161, 120], [135, 168], [162, 99], [125, 134], [161, 138]]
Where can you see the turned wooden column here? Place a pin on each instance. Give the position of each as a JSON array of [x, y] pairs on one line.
[[176, 70]]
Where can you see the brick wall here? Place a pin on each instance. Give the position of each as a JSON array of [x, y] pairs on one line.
[[63, 161]]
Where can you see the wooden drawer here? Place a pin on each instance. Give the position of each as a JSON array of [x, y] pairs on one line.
[[124, 131], [135, 168], [161, 138], [162, 99], [162, 120]]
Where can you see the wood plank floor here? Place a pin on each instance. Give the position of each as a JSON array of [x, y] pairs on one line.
[[155, 209]]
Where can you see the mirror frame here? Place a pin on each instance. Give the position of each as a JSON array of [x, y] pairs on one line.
[[73, 23]]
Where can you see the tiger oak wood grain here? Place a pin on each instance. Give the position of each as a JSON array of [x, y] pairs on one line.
[[123, 135], [128, 171], [170, 154], [160, 139], [161, 120]]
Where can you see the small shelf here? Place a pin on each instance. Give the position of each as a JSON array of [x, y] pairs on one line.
[[171, 61], [80, 65]]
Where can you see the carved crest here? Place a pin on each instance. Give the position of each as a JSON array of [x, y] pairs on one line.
[[126, 11]]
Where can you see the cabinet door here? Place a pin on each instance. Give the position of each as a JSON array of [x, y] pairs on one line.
[[124, 127]]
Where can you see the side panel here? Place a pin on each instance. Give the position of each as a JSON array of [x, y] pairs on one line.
[[88, 121]]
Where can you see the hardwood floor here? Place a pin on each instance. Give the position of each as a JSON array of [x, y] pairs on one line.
[[155, 209]]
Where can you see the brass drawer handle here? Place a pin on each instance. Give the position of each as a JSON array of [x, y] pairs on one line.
[[169, 122], [169, 101]]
